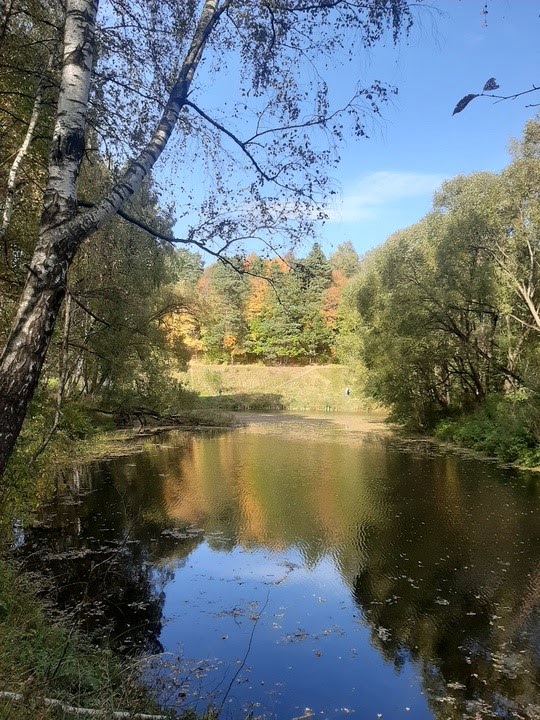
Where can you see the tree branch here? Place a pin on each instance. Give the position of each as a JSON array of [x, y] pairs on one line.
[[87, 310], [82, 711]]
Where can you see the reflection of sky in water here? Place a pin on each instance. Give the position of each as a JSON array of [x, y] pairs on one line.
[[390, 578], [309, 648]]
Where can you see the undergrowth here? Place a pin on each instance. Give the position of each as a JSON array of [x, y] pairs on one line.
[[43, 655], [505, 427]]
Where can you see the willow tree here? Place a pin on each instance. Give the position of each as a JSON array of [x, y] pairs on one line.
[[234, 91]]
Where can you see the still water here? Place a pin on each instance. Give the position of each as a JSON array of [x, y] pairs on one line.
[[302, 567]]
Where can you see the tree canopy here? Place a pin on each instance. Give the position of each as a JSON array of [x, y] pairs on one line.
[[447, 309], [127, 83]]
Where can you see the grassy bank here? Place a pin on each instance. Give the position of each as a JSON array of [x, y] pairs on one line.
[[43, 656], [316, 388]]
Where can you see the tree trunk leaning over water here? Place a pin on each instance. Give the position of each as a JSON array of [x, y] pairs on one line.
[[62, 230], [261, 131]]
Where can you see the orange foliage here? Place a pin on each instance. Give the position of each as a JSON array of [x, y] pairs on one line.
[[257, 298], [332, 297]]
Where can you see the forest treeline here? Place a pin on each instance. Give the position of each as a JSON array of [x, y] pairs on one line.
[[271, 310], [448, 311], [442, 321]]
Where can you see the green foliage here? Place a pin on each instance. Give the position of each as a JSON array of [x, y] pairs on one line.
[[505, 427], [42, 654], [274, 314], [112, 350], [224, 323], [448, 315], [27, 55], [345, 259], [38, 453], [122, 289]]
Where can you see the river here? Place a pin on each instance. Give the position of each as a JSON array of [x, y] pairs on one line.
[[307, 566]]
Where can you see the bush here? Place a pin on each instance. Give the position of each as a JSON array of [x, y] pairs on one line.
[[506, 427]]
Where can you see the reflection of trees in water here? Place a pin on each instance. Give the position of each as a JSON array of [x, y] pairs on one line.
[[440, 554], [99, 545], [459, 597], [110, 588]]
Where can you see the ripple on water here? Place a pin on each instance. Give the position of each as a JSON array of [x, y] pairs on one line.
[[309, 563]]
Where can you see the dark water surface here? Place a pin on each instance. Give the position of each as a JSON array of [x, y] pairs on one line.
[[308, 566]]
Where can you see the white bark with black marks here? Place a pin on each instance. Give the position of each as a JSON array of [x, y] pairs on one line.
[[62, 230]]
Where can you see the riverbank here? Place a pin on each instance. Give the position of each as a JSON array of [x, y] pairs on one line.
[[117, 443], [311, 388], [505, 428], [48, 669]]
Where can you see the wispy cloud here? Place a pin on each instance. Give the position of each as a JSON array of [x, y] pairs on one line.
[[371, 194]]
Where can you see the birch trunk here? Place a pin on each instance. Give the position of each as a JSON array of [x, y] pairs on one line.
[[24, 354], [62, 229], [9, 203], [5, 12]]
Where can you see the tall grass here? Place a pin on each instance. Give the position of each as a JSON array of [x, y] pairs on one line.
[[43, 655]]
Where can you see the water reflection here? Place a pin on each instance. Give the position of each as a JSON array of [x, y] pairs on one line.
[[393, 580]]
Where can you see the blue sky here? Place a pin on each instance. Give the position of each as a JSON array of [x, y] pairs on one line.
[[387, 181]]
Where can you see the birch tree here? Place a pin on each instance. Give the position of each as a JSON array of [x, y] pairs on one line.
[[131, 83]]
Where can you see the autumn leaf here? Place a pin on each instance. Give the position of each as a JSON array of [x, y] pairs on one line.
[[491, 84], [462, 104]]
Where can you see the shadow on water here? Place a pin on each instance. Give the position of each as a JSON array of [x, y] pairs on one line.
[[100, 540], [246, 401], [458, 592], [398, 579]]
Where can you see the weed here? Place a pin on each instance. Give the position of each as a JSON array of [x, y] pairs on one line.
[[43, 655], [506, 427]]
